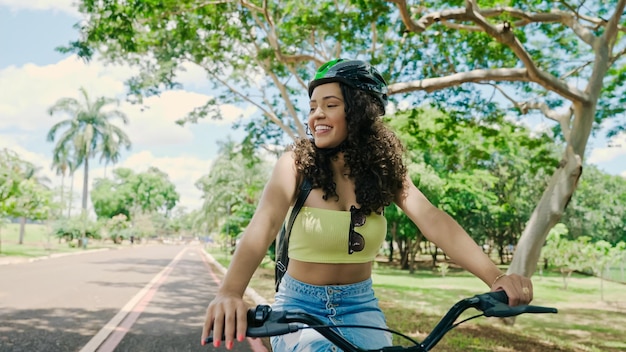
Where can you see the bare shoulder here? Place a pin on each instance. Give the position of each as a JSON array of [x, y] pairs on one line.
[[285, 166], [285, 177]]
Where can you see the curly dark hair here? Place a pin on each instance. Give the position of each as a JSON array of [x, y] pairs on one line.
[[372, 153]]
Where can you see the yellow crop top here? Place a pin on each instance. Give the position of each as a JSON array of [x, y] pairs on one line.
[[321, 236]]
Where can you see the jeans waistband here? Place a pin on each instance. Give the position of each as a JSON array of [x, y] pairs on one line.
[[304, 288]]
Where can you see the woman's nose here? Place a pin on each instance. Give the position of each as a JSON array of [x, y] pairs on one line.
[[317, 112]]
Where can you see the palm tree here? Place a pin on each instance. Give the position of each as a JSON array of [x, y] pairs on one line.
[[61, 165], [64, 162], [88, 128], [110, 150]]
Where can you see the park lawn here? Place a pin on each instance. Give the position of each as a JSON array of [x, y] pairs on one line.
[[38, 241], [413, 304]]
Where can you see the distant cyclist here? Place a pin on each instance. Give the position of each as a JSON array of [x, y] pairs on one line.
[[355, 165]]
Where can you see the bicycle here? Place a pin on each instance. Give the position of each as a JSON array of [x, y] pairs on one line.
[[265, 322]]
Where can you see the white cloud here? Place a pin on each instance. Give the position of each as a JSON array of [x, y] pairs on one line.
[[67, 6], [183, 171], [154, 123], [615, 148], [27, 92]]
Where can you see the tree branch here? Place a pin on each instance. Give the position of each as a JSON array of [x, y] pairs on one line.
[[610, 35], [503, 34], [246, 97], [563, 118], [474, 76]]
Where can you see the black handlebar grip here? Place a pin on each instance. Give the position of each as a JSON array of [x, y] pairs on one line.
[[256, 317], [499, 296]]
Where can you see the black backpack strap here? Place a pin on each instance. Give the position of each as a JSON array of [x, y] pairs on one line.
[[282, 257]]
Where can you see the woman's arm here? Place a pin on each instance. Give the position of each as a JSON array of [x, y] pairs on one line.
[[441, 229], [227, 312]]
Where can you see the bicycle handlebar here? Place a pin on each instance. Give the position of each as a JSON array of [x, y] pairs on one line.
[[265, 322]]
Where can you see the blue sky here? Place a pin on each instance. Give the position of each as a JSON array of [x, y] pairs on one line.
[[33, 76]]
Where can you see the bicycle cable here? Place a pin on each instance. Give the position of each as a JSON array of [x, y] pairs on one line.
[[353, 326], [463, 321]]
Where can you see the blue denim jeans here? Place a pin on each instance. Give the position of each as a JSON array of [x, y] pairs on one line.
[[334, 305]]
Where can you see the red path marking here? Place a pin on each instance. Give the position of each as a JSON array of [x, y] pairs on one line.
[[113, 336]]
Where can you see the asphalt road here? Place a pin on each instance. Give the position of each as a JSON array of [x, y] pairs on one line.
[[144, 298]]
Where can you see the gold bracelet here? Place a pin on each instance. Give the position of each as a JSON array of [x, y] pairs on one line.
[[497, 278]]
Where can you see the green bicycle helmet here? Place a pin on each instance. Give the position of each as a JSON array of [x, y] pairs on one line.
[[355, 73]]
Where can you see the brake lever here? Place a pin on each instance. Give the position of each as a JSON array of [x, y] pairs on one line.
[[263, 322], [495, 304]]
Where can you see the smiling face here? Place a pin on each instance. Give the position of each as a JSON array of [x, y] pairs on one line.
[[327, 116]]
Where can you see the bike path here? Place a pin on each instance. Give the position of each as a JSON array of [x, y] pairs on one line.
[[170, 315], [148, 298]]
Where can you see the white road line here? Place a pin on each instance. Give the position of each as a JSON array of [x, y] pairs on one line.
[[111, 326]]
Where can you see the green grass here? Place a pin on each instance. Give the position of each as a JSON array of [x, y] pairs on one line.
[[588, 320], [37, 242]]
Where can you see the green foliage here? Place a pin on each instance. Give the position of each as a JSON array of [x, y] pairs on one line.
[[598, 207], [231, 190], [75, 227], [484, 172], [563, 254], [117, 227], [12, 170], [580, 254], [88, 131], [22, 191], [130, 192], [264, 56]]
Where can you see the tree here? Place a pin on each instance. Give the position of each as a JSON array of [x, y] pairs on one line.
[[86, 131], [110, 149], [568, 256], [598, 208], [231, 190], [560, 60], [33, 199], [484, 173], [11, 174], [23, 193], [131, 194]]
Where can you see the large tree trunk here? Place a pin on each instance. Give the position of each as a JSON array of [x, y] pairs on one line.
[[565, 179], [556, 196]]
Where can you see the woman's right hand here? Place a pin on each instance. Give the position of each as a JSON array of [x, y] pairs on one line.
[[227, 316]]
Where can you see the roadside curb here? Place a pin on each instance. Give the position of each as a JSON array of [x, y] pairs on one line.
[[258, 299], [20, 260]]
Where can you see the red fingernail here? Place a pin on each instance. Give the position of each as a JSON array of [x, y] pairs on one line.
[[229, 345], [240, 337], [216, 343]]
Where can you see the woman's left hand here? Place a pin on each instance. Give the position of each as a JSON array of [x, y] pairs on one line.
[[519, 288]]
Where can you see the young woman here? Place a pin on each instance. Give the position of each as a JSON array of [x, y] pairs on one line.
[[355, 164]]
